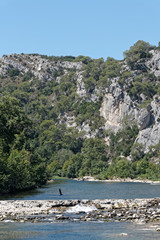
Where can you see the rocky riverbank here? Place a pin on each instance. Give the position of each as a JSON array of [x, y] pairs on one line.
[[90, 178], [134, 210]]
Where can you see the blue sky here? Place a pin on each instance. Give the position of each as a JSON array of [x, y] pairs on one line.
[[95, 28]]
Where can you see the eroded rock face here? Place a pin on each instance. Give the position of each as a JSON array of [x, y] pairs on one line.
[[143, 119], [41, 68], [150, 136], [81, 91], [154, 63], [116, 105]]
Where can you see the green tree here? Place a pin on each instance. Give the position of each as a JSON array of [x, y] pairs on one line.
[[137, 152], [20, 168], [13, 121], [120, 168], [139, 50], [13, 72], [122, 141], [142, 167], [94, 156], [18, 172]]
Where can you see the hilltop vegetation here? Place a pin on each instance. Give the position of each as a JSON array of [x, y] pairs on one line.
[[76, 116]]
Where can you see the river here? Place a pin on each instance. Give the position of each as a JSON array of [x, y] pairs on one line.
[[83, 230], [88, 190]]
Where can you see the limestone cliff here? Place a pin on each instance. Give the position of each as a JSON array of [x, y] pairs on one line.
[[131, 94], [117, 104]]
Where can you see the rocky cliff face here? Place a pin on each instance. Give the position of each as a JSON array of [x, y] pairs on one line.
[[150, 134], [41, 67], [116, 105], [117, 102]]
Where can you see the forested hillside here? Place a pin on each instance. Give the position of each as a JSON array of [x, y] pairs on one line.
[[76, 116]]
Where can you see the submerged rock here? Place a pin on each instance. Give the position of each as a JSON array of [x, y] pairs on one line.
[[134, 210]]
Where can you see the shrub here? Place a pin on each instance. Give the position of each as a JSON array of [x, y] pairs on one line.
[[13, 72], [139, 50]]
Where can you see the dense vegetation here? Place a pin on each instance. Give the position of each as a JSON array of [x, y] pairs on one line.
[[20, 167], [35, 141]]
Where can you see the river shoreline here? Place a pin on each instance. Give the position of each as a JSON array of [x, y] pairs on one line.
[[116, 180], [132, 210]]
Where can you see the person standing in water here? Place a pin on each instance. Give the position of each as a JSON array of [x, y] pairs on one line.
[[60, 192]]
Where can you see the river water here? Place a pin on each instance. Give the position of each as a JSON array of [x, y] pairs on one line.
[[89, 190], [83, 230]]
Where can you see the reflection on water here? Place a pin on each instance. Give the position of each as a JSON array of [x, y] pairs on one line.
[[88, 190], [78, 231]]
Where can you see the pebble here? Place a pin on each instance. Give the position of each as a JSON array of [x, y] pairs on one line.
[[134, 210]]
